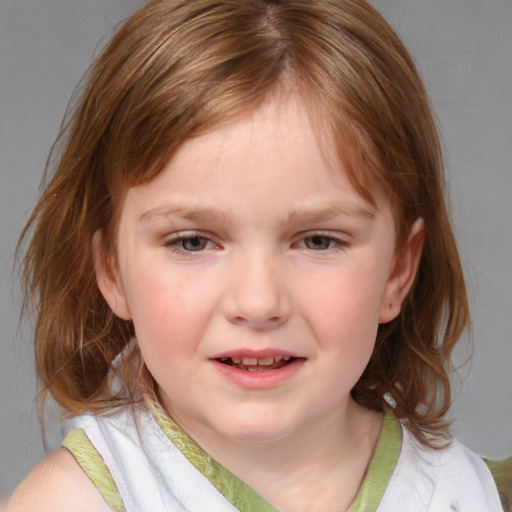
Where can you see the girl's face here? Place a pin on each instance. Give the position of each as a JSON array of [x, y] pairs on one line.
[[256, 277]]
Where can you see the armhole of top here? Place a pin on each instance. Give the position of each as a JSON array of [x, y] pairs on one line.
[[94, 467], [502, 473]]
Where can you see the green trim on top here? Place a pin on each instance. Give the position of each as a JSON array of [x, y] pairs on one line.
[[502, 473], [381, 466], [232, 488], [244, 498], [94, 467]]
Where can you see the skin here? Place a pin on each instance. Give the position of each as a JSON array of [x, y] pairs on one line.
[[251, 241], [56, 484]]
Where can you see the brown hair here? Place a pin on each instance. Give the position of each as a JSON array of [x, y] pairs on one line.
[[179, 68]]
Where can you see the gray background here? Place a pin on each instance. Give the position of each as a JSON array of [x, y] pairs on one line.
[[464, 50]]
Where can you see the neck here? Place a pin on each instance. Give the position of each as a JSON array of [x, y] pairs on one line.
[[326, 457]]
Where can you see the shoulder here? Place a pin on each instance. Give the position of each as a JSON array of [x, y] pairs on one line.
[[502, 474], [449, 478], [494, 478], [57, 483]]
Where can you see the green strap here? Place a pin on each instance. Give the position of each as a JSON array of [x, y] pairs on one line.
[[94, 467], [502, 473], [244, 498], [232, 488], [381, 466]]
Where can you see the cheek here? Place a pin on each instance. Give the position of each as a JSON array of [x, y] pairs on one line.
[[344, 304], [344, 321], [169, 312]]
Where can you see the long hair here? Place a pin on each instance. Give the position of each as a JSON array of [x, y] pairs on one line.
[[180, 68]]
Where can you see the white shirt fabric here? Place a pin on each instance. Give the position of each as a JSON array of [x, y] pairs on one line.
[[453, 479], [152, 474]]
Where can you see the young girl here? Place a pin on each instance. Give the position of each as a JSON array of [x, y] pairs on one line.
[[246, 284]]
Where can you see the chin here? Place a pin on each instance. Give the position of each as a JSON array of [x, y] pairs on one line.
[[264, 431]]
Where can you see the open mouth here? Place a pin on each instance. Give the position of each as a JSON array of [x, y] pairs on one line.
[[253, 364]]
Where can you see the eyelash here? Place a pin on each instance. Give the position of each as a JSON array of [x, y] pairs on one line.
[[176, 243], [334, 243]]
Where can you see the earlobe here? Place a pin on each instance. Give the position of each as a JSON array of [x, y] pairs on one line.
[[404, 273], [108, 280]]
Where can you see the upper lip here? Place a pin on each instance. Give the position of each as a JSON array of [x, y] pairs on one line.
[[256, 354]]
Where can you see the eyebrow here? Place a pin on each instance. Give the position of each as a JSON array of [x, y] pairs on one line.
[[298, 215], [307, 215], [187, 213]]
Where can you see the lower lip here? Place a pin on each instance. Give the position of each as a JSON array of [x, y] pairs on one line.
[[264, 379]]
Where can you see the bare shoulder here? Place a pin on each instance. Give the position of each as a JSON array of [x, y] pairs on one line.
[[57, 483]]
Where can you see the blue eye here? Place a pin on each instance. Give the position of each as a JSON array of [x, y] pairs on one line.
[[193, 243], [320, 243]]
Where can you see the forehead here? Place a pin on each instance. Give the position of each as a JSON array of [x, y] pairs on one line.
[[275, 156], [292, 110]]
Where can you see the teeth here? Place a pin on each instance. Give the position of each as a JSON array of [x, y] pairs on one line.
[[253, 361]]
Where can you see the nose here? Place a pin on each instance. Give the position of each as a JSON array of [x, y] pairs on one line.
[[258, 297]]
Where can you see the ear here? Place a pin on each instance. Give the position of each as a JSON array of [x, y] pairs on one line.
[[403, 274], [108, 280]]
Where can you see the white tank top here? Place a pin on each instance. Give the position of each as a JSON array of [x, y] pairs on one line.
[[141, 461]]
